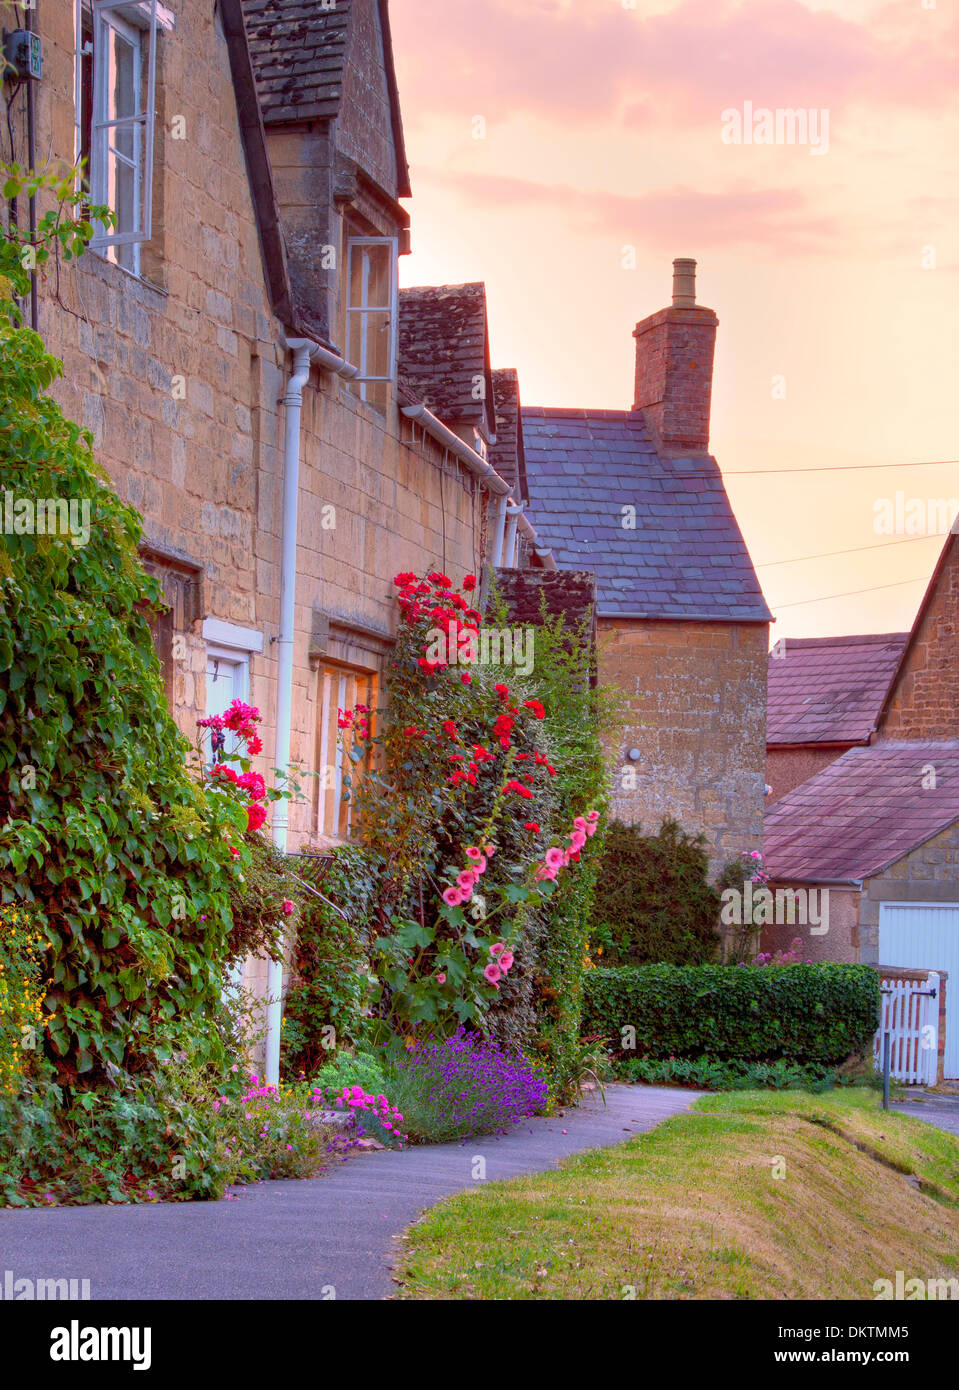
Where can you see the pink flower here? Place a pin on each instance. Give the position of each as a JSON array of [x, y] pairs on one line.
[[497, 948], [288, 907], [493, 973], [473, 852], [506, 960], [489, 850], [580, 823], [554, 858], [452, 897], [544, 871], [577, 840], [441, 979], [466, 879], [592, 815]]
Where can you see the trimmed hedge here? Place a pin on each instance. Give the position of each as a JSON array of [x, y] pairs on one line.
[[806, 1013]]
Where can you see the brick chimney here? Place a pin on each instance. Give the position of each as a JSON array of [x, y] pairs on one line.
[[674, 366]]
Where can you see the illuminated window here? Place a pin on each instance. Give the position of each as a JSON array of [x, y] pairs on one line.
[[115, 116], [372, 313], [339, 688]]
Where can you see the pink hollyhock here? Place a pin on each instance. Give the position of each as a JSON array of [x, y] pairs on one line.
[[554, 858], [474, 852], [497, 948], [441, 979], [577, 840], [489, 850], [288, 907], [466, 879], [452, 897], [493, 973], [544, 871], [580, 823], [592, 815], [506, 960]]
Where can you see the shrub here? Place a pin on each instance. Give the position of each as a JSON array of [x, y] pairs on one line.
[[21, 995], [349, 1069], [463, 1085], [712, 1074], [328, 1005], [270, 1132], [653, 901], [806, 1013]]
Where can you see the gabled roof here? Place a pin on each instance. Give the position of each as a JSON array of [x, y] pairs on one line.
[[829, 689], [508, 454], [300, 52], [444, 352], [863, 812], [685, 558], [945, 554]]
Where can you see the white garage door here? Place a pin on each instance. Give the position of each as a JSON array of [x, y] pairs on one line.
[[925, 936]]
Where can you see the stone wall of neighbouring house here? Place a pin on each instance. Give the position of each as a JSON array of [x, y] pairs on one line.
[[841, 939], [570, 593], [696, 710], [788, 767], [925, 699], [929, 873]]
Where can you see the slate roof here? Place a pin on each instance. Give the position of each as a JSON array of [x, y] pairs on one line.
[[508, 455], [863, 811], [299, 52], [444, 349], [830, 689], [686, 558], [299, 56]]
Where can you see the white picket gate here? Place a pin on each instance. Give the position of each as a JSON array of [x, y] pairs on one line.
[[910, 1013]]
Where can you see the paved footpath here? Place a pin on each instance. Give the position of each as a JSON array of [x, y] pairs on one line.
[[935, 1108], [299, 1240]]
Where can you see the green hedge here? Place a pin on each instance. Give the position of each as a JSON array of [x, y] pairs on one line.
[[807, 1013]]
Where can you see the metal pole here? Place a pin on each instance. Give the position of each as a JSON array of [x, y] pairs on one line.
[[886, 1058]]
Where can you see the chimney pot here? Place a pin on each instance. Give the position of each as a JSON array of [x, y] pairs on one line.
[[684, 283]]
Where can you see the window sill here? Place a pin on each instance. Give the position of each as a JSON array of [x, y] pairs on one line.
[[130, 275]]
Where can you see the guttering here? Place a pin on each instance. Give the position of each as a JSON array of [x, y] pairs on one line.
[[478, 466], [305, 352]]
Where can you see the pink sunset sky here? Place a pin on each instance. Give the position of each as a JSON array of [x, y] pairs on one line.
[[836, 272]]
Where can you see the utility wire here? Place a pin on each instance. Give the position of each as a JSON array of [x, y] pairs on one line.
[[853, 550], [851, 593]]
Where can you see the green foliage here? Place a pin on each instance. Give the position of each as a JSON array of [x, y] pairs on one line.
[[122, 860], [712, 1074], [328, 1004], [351, 1069], [805, 1013], [257, 896], [654, 903]]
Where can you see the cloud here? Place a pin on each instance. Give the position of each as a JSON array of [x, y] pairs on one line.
[[743, 215], [593, 60]]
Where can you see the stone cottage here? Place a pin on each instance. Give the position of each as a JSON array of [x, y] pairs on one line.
[[635, 497], [233, 346], [877, 829]]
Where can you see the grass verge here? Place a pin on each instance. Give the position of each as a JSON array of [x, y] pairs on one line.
[[694, 1209]]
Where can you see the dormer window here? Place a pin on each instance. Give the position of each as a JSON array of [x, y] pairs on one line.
[[115, 116], [371, 313]]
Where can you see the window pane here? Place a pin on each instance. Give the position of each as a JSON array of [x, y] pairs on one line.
[[122, 82], [371, 275]]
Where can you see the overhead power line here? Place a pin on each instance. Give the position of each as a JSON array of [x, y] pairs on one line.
[[851, 593], [853, 550]]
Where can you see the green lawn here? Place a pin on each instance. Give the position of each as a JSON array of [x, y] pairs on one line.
[[693, 1210]]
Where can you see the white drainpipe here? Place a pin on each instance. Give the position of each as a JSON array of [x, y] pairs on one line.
[[499, 529], [304, 352], [514, 513]]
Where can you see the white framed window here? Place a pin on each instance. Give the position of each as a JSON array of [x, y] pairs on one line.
[[371, 309], [339, 688], [116, 49]]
